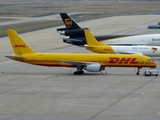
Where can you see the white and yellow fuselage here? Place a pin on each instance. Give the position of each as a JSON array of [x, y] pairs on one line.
[[152, 51], [95, 46]]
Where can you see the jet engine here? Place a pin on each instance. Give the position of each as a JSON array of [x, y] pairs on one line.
[[94, 68], [71, 32]]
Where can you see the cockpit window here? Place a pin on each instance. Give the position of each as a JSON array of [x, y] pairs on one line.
[[150, 60]]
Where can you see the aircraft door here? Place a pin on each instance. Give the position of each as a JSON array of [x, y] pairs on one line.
[[141, 60]]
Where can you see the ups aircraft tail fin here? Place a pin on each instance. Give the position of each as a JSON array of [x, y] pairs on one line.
[[18, 44], [90, 39], [69, 22]]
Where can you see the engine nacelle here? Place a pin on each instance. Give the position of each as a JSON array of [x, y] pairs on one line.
[[78, 41], [71, 32], [94, 67]]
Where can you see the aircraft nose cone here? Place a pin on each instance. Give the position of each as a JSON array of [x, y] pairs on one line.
[[155, 64]]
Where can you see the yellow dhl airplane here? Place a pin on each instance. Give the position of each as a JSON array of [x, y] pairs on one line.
[[90, 62]]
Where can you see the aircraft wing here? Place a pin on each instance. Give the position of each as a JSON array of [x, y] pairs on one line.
[[129, 53], [127, 44], [78, 63]]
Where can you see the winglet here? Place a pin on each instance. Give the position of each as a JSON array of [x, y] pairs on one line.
[[18, 44], [90, 39]]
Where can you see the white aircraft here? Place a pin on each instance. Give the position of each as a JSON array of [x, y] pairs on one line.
[[154, 26], [95, 46], [146, 40]]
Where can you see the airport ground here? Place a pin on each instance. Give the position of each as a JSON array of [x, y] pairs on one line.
[[30, 92]]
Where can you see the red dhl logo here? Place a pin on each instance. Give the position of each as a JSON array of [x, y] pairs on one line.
[[20, 46], [123, 60]]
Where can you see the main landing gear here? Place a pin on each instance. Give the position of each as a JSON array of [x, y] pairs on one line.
[[138, 70], [79, 70]]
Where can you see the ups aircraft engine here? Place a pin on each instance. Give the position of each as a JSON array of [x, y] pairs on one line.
[[75, 32]]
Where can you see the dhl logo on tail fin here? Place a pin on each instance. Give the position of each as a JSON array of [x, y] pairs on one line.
[[19, 45], [95, 46]]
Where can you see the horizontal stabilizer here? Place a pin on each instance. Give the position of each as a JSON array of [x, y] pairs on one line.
[[15, 57], [61, 29]]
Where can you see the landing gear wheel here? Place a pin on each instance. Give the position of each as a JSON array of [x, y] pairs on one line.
[[79, 72], [138, 71], [75, 73]]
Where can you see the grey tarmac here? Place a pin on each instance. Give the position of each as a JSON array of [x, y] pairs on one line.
[[30, 92]]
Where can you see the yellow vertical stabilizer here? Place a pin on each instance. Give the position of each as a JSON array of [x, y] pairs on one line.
[[90, 39], [95, 46], [18, 44]]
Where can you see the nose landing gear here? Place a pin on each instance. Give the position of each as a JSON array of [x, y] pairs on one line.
[[138, 70]]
